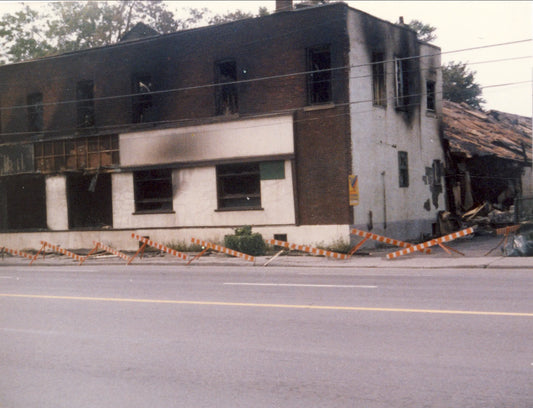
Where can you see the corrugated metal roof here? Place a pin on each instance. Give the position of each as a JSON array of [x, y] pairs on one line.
[[493, 133]]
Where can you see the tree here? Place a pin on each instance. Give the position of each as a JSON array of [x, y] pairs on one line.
[[458, 85], [424, 32], [72, 26]]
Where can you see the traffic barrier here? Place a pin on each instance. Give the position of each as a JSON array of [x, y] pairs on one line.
[[15, 252], [57, 248], [505, 231], [432, 242], [149, 242], [368, 235], [219, 248], [306, 248], [107, 249]]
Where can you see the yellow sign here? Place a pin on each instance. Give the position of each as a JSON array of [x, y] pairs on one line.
[[353, 189]]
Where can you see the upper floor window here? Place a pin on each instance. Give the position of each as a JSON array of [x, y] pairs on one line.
[[430, 96], [35, 112], [379, 95], [319, 78], [226, 96], [142, 104], [402, 76], [85, 103]]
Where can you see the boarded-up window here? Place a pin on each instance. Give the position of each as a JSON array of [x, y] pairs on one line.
[[35, 112], [85, 103], [379, 95], [239, 186], [226, 94], [153, 190], [319, 78], [77, 154]]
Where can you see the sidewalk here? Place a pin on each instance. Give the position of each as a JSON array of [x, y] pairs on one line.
[[474, 250]]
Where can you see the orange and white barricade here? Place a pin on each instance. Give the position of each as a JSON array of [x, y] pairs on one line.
[[308, 249], [432, 242], [368, 235], [208, 245], [16, 252], [148, 242], [107, 249], [505, 231], [57, 249]]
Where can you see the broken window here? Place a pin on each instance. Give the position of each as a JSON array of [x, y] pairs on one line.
[[35, 112], [85, 104], [319, 78], [22, 203], [402, 82], [403, 169], [239, 186], [430, 96], [379, 96], [142, 104], [76, 154], [153, 190], [226, 94], [89, 201]]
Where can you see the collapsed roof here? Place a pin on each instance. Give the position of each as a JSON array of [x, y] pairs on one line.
[[472, 132]]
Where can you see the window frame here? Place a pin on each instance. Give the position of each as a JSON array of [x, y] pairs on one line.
[[431, 99], [147, 184], [231, 178], [403, 169], [85, 113], [401, 83], [379, 83], [317, 74]]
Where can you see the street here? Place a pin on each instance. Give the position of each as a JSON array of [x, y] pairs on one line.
[[172, 336]]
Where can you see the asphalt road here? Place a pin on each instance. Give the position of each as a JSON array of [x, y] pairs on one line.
[[168, 336]]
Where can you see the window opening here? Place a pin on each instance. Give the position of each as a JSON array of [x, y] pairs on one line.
[[226, 95], [319, 79], [403, 167], [379, 96], [239, 186], [77, 154], [430, 95], [153, 190], [85, 103], [89, 201], [402, 82], [142, 104], [23, 203], [35, 112]]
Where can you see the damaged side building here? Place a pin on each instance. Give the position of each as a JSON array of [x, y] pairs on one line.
[[303, 123]]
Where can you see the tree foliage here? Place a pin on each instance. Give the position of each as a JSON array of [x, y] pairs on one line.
[[458, 85], [424, 32]]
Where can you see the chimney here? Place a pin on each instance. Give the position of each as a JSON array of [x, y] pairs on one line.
[[283, 5]]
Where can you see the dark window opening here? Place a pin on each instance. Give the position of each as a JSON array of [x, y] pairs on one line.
[[379, 95], [89, 201], [239, 186], [226, 94], [430, 96], [153, 190], [77, 154], [85, 104], [402, 83], [23, 203], [319, 78], [35, 112], [403, 169], [142, 101]]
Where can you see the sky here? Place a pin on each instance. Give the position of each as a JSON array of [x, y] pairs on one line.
[[505, 72], [460, 25]]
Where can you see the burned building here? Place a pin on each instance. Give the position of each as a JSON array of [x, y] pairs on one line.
[[303, 124], [488, 159]]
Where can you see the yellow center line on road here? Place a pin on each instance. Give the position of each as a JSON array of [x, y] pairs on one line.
[[268, 305]]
